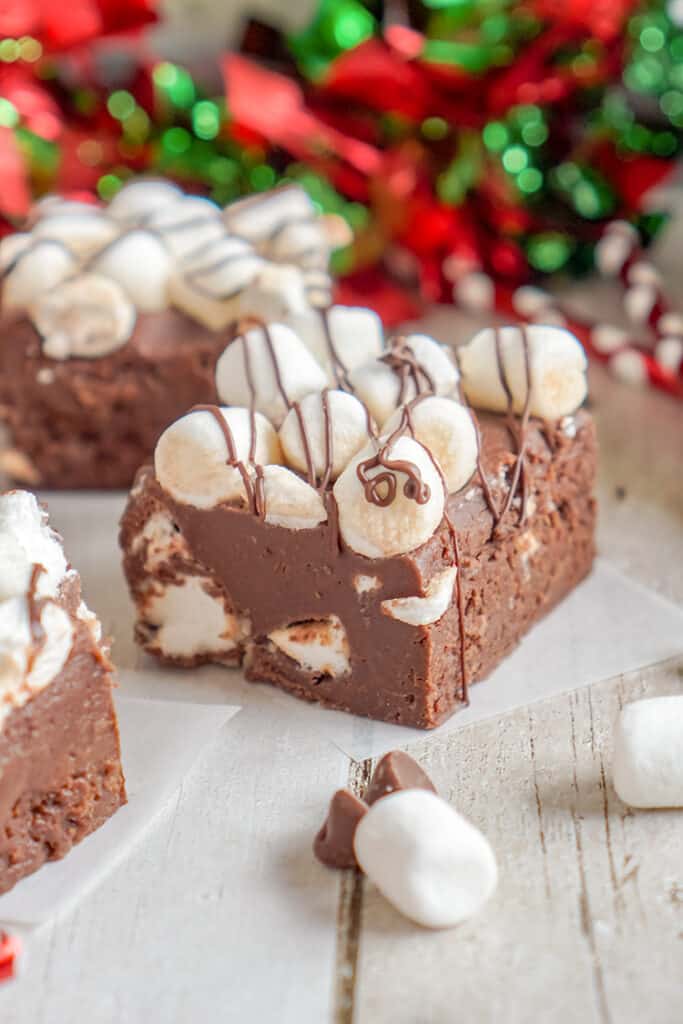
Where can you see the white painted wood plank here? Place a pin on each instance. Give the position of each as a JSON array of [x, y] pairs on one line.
[[587, 923]]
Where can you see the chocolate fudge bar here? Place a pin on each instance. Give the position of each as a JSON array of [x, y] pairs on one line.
[[112, 319], [60, 768], [374, 545]]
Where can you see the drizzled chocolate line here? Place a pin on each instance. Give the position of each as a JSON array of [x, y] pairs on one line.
[[341, 373], [485, 486], [520, 436], [415, 489], [464, 692], [254, 489], [401, 359]]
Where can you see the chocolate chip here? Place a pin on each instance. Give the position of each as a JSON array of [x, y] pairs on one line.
[[396, 770], [334, 842]]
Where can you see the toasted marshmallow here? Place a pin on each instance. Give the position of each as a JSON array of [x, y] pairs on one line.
[[36, 269], [446, 429], [648, 753], [427, 860], [354, 334], [141, 263], [82, 233], [348, 432], [422, 611], [319, 646], [209, 284], [290, 501], [298, 372], [83, 318], [192, 460], [384, 531], [141, 198], [557, 367]]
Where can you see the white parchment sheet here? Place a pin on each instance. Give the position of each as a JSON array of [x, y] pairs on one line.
[[609, 624]]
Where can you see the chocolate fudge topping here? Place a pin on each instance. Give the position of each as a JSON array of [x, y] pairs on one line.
[[90, 423], [333, 844]]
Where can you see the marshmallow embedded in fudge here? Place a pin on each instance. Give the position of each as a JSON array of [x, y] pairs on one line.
[[138, 200], [84, 317], [141, 263], [187, 225], [427, 860], [400, 504], [447, 430], [191, 621], [341, 338], [423, 611], [36, 269], [648, 753], [209, 284], [319, 646], [82, 233], [281, 368], [557, 367], [192, 461], [386, 382], [28, 601], [305, 431]]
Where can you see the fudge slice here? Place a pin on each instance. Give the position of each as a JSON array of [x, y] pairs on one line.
[[112, 319], [391, 638], [60, 768]]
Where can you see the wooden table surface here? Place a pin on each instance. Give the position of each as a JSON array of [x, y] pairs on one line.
[[221, 914]]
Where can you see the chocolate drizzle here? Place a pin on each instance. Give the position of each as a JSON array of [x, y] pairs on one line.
[[382, 488], [341, 374], [401, 359], [518, 433]]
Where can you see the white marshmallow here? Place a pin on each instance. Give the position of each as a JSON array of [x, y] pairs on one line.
[[209, 284], [317, 646], [648, 753], [161, 540], [436, 361], [382, 532], [85, 317], [301, 242], [26, 535], [629, 366], [277, 290], [356, 335], [638, 302], [299, 372], [187, 225], [558, 370], [37, 269], [18, 681], [669, 353], [82, 233], [191, 620], [141, 263], [11, 247], [139, 199], [290, 501], [447, 430], [256, 217], [474, 291], [422, 611], [427, 860], [607, 338], [379, 388], [348, 430], [51, 205], [529, 301], [191, 460]]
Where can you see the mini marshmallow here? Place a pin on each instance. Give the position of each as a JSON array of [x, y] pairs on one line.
[[435, 360], [530, 301], [275, 292], [256, 217], [299, 373], [191, 621], [558, 370], [209, 285], [474, 291], [290, 501], [82, 233], [355, 332], [37, 269], [348, 430], [140, 199], [629, 366], [447, 430], [187, 225], [427, 860], [319, 646], [12, 247], [384, 531], [85, 317], [648, 753], [141, 263], [301, 242], [379, 388], [607, 338], [422, 611], [669, 353], [191, 460]]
